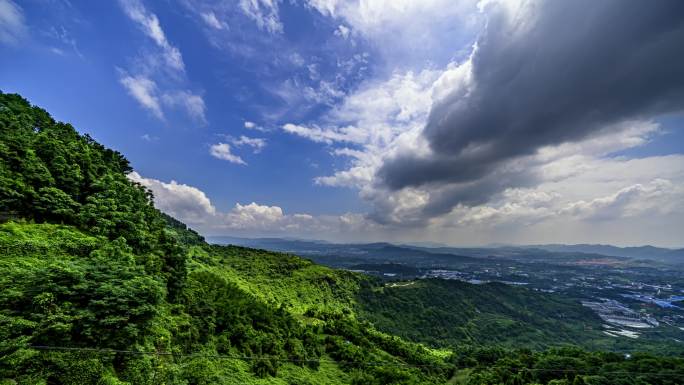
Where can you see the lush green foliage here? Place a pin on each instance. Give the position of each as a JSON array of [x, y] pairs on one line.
[[449, 313], [564, 366], [99, 287], [48, 172], [89, 263]]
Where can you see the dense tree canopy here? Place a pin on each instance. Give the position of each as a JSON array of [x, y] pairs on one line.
[[97, 286]]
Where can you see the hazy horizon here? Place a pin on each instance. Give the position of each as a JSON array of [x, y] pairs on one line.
[[430, 244]]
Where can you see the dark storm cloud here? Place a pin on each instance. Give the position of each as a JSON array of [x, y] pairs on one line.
[[571, 69]]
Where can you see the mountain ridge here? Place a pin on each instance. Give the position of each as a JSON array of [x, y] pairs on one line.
[[638, 253]]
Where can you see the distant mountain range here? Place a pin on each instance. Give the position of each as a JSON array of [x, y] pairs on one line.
[[347, 255], [638, 252], [339, 254]]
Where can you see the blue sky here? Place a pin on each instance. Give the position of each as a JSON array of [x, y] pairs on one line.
[[333, 119], [81, 85]]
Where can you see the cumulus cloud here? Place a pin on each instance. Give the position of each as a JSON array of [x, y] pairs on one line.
[[536, 102], [536, 81], [12, 23], [257, 218], [223, 151], [254, 215], [608, 190], [379, 119], [564, 208], [191, 205], [177, 199], [628, 201], [483, 115], [527, 206]]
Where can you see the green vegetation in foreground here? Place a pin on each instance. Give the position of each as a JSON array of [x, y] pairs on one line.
[[88, 264], [562, 366]]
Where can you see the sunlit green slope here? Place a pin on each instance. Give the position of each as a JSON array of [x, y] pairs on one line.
[[99, 287]]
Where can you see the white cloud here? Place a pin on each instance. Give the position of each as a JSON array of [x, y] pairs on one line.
[[254, 216], [379, 119], [492, 216], [223, 151], [149, 23], [144, 91], [385, 118], [264, 13], [629, 201], [297, 59], [257, 144], [326, 135], [613, 138], [550, 212], [12, 23], [261, 219], [149, 138], [342, 31], [192, 104], [212, 21], [191, 205], [426, 45], [178, 200], [325, 92], [608, 190], [408, 33], [382, 119], [157, 78], [253, 126]]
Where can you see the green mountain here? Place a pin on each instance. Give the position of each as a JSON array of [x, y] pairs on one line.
[[451, 313], [97, 286]]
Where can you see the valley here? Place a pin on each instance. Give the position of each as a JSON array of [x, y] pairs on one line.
[[630, 300]]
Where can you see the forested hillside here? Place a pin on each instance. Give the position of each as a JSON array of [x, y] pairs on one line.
[[493, 313], [451, 313], [97, 286]]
